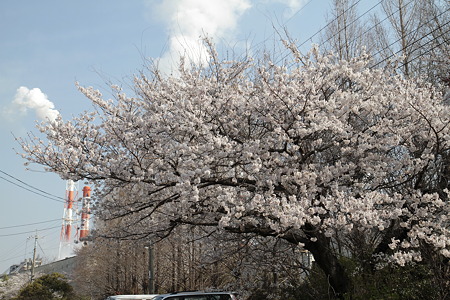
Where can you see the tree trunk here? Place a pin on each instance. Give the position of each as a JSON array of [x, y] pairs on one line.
[[329, 263]]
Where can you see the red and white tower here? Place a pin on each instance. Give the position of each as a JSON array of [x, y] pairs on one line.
[[74, 229], [68, 221], [85, 211]]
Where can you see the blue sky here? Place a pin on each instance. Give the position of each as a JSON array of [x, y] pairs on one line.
[[49, 45]]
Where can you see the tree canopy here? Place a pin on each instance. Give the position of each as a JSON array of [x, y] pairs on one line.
[[48, 287], [311, 151]]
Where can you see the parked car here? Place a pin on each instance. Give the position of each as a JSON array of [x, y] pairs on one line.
[[132, 297], [198, 296]]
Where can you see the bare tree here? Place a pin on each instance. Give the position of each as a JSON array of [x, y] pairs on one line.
[[418, 32], [110, 267], [346, 33]]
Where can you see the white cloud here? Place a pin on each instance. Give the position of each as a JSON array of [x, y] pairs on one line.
[[190, 20], [292, 5], [34, 99]]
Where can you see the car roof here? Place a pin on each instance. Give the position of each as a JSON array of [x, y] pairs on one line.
[[130, 297], [191, 293]]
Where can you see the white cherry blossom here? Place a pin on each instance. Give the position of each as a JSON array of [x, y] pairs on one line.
[[300, 153]]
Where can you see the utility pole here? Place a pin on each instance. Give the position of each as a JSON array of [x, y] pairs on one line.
[[151, 273], [33, 263]]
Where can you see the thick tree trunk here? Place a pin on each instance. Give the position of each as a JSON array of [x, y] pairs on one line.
[[321, 250], [338, 278]]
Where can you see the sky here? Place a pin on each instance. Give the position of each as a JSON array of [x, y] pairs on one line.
[[47, 46]]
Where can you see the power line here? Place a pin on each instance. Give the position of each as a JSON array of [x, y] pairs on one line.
[[42, 250], [355, 20], [397, 40], [16, 248], [42, 193], [297, 12], [26, 232], [329, 23], [406, 4], [30, 185], [385, 18], [282, 25], [412, 43], [422, 54], [29, 189], [52, 248], [375, 25], [22, 225], [19, 256]]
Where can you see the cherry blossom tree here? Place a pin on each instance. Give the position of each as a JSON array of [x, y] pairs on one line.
[[303, 153]]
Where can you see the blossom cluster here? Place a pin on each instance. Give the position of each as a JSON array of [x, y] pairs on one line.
[[333, 146]]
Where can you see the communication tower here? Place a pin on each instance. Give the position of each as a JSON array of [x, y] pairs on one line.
[[68, 221], [74, 229], [85, 212]]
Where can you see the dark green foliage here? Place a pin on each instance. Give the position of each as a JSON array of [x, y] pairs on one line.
[[394, 282], [259, 294], [48, 287], [390, 283]]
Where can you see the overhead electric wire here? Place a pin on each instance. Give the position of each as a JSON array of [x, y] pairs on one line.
[[333, 20], [282, 25], [380, 51], [23, 225], [299, 10], [42, 193], [397, 40], [30, 190], [30, 185], [42, 250], [16, 247], [423, 53], [412, 43], [19, 256], [26, 232], [385, 18], [355, 20], [329, 23], [51, 248], [375, 25]]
